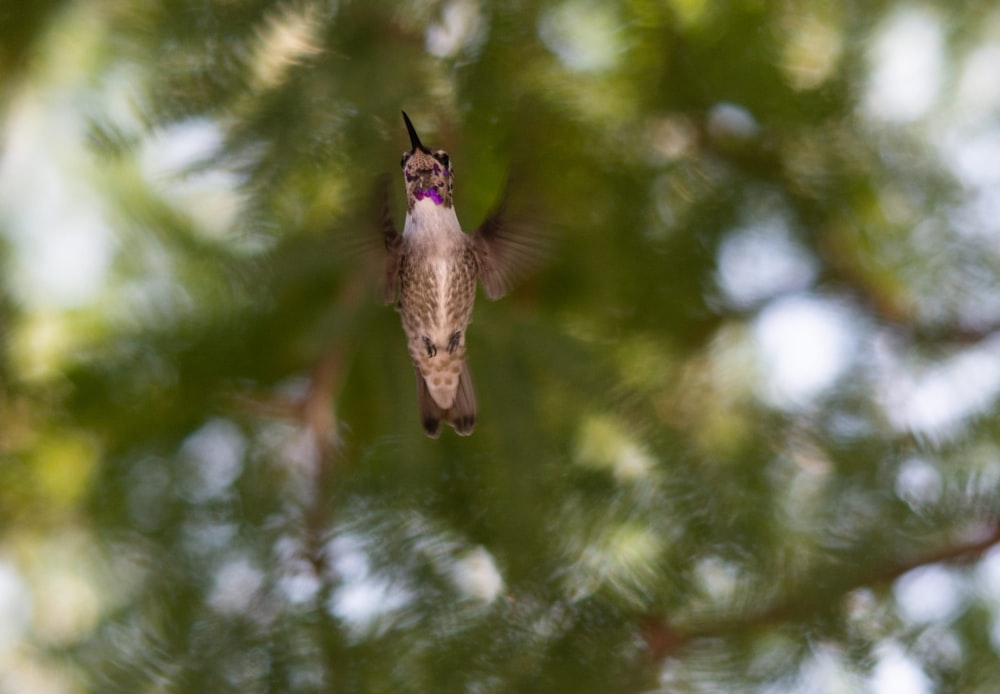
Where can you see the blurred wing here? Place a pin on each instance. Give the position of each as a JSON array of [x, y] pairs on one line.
[[505, 251], [393, 248]]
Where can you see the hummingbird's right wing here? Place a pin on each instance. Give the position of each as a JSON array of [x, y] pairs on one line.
[[393, 248], [505, 251]]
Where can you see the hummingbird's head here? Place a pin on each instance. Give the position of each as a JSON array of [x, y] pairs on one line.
[[427, 172]]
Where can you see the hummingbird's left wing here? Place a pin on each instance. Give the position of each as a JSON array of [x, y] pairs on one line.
[[505, 251], [393, 248]]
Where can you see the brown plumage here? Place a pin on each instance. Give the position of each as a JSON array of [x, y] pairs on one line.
[[431, 271]]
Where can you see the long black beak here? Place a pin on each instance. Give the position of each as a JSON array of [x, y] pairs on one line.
[[414, 140]]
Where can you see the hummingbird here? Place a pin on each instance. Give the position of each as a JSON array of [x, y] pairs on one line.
[[430, 273]]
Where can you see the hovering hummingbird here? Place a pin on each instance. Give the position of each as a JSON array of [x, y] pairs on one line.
[[431, 271]]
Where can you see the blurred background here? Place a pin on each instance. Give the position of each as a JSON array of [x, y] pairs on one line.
[[738, 433]]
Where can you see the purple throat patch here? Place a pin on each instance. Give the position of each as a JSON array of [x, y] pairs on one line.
[[431, 193]]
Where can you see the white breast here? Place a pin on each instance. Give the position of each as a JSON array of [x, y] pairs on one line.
[[430, 223]]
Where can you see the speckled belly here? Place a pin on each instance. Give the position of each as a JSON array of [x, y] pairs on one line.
[[436, 299]]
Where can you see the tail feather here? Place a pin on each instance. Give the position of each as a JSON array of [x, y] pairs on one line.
[[430, 413], [461, 416]]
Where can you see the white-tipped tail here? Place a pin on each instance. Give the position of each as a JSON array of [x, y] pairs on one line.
[[461, 398]]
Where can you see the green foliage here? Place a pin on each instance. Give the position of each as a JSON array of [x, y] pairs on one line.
[[228, 423]]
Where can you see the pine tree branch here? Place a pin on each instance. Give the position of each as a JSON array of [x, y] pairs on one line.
[[663, 639], [315, 413], [319, 417]]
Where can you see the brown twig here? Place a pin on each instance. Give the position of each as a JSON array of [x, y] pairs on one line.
[[318, 413], [315, 412], [663, 639]]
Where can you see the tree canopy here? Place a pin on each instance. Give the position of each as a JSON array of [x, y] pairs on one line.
[[737, 432]]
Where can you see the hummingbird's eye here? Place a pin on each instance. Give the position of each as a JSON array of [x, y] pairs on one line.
[[406, 156], [442, 157]]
